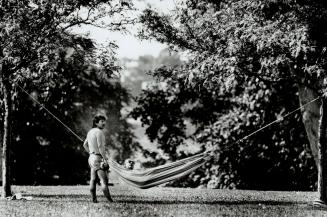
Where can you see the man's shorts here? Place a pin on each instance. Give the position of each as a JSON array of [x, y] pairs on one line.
[[95, 162]]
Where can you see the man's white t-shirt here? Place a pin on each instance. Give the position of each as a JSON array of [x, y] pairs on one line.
[[96, 140]]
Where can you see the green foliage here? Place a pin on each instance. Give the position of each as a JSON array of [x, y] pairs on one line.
[[280, 150], [164, 109], [34, 32], [271, 39], [221, 121]]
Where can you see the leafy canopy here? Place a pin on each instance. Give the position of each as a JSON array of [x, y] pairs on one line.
[[34, 32]]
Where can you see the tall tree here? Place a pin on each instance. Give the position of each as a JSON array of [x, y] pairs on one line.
[[273, 41], [32, 34]]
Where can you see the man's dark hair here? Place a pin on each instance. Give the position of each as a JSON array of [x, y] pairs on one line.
[[97, 118]]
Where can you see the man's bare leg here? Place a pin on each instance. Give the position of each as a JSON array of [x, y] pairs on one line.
[[93, 185], [104, 184]]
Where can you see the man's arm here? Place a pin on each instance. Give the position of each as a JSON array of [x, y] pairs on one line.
[[86, 146], [101, 140]]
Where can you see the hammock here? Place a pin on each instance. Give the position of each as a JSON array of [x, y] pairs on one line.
[[155, 176]]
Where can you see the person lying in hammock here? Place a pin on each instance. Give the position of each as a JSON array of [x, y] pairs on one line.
[[94, 144], [129, 164]]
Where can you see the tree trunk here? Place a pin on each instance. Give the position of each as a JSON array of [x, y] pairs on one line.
[[6, 180], [310, 118], [322, 167], [315, 121]]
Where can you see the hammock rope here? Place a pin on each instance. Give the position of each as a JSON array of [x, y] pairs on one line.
[[158, 175]]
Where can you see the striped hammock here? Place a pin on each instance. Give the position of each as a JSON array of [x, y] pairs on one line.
[[157, 175]]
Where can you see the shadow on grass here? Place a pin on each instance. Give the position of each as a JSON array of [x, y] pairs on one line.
[[123, 199], [163, 201], [219, 202]]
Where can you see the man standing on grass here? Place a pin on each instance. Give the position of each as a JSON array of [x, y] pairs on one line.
[[94, 144]]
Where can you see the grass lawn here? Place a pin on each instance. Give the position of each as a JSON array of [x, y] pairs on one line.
[[75, 201]]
